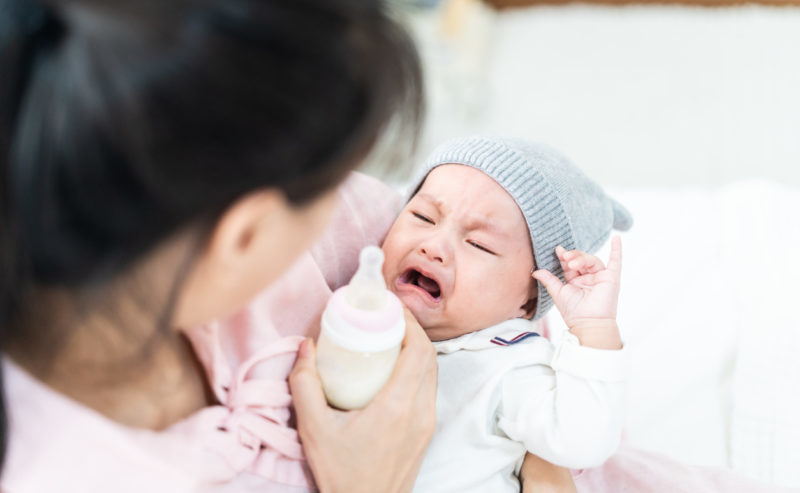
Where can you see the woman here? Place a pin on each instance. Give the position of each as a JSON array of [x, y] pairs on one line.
[[162, 162]]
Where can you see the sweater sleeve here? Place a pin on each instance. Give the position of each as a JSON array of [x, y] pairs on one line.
[[571, 412], [365, 212]]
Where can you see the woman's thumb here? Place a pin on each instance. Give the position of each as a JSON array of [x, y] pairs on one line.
[[304, 383]]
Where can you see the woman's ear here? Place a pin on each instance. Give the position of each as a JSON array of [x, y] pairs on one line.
[[236, 238], [227, 271], [254, 241]]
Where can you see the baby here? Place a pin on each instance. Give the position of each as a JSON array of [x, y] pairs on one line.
[[488, 218]]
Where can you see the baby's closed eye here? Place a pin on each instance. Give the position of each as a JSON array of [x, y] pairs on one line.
[[480, 247], [422, 217]]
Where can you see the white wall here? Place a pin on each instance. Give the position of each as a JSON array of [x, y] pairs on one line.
[[636, 96]]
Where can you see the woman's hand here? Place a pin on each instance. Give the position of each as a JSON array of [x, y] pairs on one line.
[[540, 476], [588, 300], [378, 448]]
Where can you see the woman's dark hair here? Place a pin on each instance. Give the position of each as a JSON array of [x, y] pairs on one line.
[[124, 122]]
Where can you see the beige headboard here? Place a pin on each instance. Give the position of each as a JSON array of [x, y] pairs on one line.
[[502, 4]]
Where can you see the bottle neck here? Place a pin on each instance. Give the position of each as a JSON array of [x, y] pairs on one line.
[[363, 330]]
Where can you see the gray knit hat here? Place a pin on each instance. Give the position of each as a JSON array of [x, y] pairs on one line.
[[561, 205]]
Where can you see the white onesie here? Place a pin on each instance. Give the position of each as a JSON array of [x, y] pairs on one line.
[[504, 391]]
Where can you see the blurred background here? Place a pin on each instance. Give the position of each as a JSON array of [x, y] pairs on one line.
[[689, 114], [635, 94]]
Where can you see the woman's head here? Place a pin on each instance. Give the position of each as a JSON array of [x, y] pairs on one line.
[[127, 124]]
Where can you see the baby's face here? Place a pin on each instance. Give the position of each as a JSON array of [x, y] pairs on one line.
[[459, 255]]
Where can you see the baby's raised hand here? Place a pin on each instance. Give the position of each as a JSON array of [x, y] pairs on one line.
[[588, 299]]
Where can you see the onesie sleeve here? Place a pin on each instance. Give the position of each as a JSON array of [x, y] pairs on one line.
[[569, 412], [366, 210]]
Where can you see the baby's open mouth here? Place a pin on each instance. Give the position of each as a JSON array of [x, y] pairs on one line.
[[416, 278]]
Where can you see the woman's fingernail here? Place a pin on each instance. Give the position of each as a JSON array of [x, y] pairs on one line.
[[304, 351]]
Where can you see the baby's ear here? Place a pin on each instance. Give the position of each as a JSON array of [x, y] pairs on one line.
[[529, 308]]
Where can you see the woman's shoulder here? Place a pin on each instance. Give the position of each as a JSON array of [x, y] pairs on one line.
[[90, 451], [366, 210], [61, 445]]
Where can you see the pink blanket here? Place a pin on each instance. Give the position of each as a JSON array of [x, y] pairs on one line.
[[630, 470]]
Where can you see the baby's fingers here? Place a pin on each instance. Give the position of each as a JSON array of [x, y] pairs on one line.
[[564, 257], [576, 263], [552, 283], [615, 258], [584, 263]]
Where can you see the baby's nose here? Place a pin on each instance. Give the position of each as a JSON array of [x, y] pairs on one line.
[[433, 251]]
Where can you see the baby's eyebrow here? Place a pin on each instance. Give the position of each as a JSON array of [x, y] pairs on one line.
[[430, 198], [473, 223], [480, 223]]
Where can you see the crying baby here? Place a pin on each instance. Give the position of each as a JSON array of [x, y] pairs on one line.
[[496, 231]]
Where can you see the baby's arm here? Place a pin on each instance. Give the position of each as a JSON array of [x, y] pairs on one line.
[[539, 476], [588, 300], [571, 413]]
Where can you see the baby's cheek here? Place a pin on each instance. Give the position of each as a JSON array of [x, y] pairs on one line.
[[516, 285], [390, 258]]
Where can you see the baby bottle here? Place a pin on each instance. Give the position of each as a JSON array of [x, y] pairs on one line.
[[359, 341]]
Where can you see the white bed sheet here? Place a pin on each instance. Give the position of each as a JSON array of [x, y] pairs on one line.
[[710, 307]]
